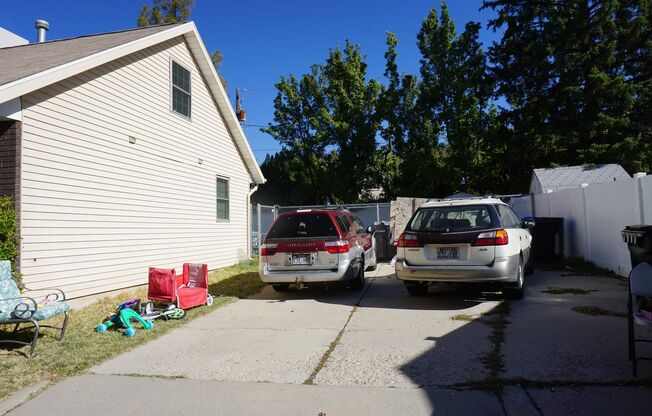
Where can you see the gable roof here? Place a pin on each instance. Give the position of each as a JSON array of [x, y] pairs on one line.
[[27, 68], [574, 176], [18, 62]]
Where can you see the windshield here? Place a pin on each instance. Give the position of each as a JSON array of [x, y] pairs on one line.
[[303, 226], [452, 219]]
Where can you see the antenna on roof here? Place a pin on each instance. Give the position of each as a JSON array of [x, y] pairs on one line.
[[239, 111]]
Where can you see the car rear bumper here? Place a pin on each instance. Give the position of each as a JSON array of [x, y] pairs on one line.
[[503, 269], [342, 273]]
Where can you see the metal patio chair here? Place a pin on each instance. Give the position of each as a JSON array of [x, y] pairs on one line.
[[640, 285], [17, 309]]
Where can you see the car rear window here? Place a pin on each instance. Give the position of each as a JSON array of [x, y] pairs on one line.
[[303, 226], [452, 219]]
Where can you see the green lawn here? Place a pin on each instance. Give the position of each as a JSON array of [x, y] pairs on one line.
[[82, 347]]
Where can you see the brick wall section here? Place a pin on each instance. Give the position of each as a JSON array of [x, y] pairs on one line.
[[10, 136]]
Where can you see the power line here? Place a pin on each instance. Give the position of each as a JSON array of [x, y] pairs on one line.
[[252, 125]]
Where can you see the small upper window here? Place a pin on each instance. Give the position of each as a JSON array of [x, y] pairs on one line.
[[180, 89], [222, 199]]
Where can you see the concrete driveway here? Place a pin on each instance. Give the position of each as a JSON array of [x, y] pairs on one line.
[[380, 352]]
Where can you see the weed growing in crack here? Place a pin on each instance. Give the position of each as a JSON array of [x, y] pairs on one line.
[[596, 311], [552, 290]]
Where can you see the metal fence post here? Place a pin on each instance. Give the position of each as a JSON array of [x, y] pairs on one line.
[[258, 229]]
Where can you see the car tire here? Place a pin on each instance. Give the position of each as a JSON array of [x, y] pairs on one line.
[[529, 268], [417, 289], [372, 268], [514, 291], [358, 281], [281, 287]]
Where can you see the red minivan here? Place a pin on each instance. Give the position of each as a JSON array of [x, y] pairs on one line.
[[312, 246]]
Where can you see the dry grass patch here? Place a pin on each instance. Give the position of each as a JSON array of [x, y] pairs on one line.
[[596, 311], [567, 291], [462, 317], [82, 347]]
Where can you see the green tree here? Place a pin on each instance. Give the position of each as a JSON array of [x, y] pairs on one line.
[[568, 71], [165, 12], [9, 239], [351, 122], [217, 57], [327, 120], [396, 104], [457, 91], [175, 11], [299, 126]]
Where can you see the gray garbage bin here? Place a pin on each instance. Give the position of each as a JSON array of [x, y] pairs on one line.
[[548, 239], [639, 242], [382, 240]]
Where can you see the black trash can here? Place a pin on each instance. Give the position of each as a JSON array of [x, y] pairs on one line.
[[639, 242], [548, 239], [380, 235]]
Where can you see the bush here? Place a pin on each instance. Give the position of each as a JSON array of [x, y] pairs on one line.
[[9, 238]]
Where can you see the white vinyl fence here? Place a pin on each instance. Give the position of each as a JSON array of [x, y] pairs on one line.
[[593, 216]]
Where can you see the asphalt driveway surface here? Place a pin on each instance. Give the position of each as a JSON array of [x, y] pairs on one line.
[[380, 351]]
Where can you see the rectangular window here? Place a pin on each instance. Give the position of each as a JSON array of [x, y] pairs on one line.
[[222, 198], [449, 219], [301, 225], [180, 89]]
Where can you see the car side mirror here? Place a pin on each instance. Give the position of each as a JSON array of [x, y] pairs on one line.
[[528, 222], [370, 230]]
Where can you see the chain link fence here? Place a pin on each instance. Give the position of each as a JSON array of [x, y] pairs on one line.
[[263, 216]]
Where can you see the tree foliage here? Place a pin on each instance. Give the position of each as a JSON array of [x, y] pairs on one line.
[[575, 79], [9, 240], [171, 12], [216, 58], [568, 83], [165, 12]]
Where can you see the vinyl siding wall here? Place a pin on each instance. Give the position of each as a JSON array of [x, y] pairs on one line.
[[97, 211]]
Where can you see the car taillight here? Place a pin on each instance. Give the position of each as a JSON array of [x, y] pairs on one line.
[[336, 247], [268, 250], [492, 238], [501, 238], [408, 240]]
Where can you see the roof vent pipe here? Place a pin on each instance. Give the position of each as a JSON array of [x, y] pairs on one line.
[[41, 27]]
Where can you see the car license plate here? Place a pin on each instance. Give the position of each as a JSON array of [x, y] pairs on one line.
[[447, 253], [301, 259]]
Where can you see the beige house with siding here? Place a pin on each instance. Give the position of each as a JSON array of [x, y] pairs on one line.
[[121, 151]]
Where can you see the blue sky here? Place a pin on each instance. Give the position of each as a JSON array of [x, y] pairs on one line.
[[263, 40]]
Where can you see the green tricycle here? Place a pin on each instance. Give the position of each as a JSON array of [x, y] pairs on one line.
[[131, 310]]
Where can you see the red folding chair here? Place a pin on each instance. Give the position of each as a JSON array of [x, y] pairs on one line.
[[186, 290]]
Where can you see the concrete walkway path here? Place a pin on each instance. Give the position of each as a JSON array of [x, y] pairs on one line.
[[379, 352]]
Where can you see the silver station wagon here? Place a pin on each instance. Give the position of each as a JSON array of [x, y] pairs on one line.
[[465, 240]]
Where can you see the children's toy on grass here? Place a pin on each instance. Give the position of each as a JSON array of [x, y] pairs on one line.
[[123, 316]]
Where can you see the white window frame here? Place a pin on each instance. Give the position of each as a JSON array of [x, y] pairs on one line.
[[227, 199], [172, 87]]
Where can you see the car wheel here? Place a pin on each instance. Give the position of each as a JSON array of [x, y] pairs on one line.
[[281, 287], [515, 290], [417, 289], [358, 281], [372, 268]]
